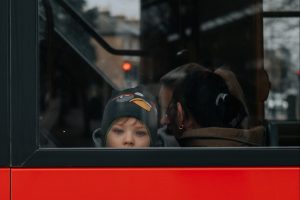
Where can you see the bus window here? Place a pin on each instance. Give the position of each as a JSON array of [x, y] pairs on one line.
[[281, 60], [88, 49], [281, 25], [281, 5]]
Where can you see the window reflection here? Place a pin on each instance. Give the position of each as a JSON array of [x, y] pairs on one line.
[[281, 5], [90, 48], [282, 61]]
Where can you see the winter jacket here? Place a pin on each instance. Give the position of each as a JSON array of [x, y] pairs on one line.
[[223, 137]]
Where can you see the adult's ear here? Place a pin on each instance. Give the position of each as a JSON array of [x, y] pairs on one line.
[[180, 114], [185, 121]]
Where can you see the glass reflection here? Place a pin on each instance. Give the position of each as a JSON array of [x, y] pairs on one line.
[[282, 61], [79, 71], [281, 5]]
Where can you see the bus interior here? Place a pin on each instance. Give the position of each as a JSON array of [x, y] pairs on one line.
[[85, 47]]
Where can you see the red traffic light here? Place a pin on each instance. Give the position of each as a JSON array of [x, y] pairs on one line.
[[126, 66]]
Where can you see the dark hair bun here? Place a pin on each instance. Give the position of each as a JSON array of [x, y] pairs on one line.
[[232, 111], [205, 96]]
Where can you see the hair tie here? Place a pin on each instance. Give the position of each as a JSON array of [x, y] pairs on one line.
[[220, 96]]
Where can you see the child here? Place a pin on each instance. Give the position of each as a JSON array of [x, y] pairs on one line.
[[129, 120]]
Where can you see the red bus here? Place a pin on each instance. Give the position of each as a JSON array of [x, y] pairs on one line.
[[60, 61]]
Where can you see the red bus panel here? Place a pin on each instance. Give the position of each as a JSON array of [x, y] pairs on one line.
[[4, 184], [156, 183]]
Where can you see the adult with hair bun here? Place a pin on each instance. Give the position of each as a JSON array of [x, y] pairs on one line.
[[204, 112], [168, 83]]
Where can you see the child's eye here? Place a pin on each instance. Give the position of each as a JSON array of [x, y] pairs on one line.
[[141, 133], [117, 130]]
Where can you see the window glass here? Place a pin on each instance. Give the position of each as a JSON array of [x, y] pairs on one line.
[[281, 5], [119, 23], [94, 52], [281, 50]]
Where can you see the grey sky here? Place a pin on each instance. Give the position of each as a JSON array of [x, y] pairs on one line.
[[129, 8]]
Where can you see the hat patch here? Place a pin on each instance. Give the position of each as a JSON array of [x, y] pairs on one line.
[[124, 98], [220, 96], [142, 103]]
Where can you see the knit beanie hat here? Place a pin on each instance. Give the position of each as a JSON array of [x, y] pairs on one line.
[[134, 103]]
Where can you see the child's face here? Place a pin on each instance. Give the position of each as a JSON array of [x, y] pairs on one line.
[[128, 132]]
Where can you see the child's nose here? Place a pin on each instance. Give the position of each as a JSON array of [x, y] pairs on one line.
[[128, 139]]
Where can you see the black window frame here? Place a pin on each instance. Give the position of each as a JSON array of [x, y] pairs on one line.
[[4, 83], [24, 130]]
